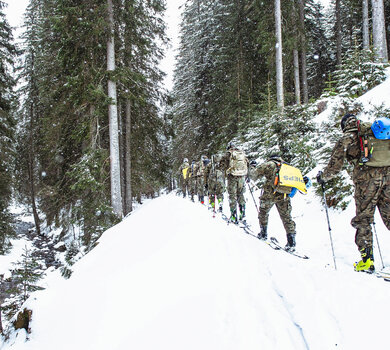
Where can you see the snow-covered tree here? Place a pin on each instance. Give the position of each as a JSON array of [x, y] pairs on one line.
[[7, 125]]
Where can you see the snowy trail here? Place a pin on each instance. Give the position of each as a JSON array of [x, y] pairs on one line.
[[172, 277]]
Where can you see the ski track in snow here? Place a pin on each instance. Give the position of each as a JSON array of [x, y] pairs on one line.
[[172, 277]]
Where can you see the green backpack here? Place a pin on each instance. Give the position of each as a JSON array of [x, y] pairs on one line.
[[374, 152]]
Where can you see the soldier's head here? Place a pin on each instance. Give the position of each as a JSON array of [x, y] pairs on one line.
[[217, 157], [349, 120], [204, 159], [231, 145]]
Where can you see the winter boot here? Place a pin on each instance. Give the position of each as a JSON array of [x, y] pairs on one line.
[[367, 262], [242, 211], [233, 216], [263, 233], [290, 246]]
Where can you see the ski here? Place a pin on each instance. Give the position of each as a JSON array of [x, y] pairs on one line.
[[383, 274], [295, 253]]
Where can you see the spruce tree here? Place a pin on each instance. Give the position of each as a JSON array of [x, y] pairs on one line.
[[7, 126]]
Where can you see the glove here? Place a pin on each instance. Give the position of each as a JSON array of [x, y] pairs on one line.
[[306, 179], [247, 179], [319, 178], [252, 163]]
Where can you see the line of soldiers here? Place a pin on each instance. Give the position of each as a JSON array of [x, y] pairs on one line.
[[368, 154], [208, 176]]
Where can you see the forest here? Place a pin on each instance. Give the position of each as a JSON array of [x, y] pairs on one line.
[[87, 127]]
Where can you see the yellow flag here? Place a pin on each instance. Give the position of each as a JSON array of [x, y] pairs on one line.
[[292, 177]]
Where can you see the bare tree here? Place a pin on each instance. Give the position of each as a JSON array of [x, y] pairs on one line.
[[128, 192], [279, 59], [115, 173], [338, 33], [366, 33], [379, 29], [296, 59], [305, 89]]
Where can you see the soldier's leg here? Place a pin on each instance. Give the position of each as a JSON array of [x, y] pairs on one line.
[[240, 195], [366, 199], [284, 209], [265, 207], [384, 202]]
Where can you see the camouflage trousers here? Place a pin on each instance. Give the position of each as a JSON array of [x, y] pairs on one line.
[[283, 204], [192, 186], [236, 190], [370, 193], [200, 186], [185, 186], [216, 187]]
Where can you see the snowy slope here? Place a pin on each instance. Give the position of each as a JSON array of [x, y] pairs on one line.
[[172, 277]]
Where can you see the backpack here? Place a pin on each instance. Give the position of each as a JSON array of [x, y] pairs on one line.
[[288, 178], [237, 163], [375, 152]]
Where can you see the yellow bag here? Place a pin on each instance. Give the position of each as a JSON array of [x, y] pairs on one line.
[[185, 173], [289, 177]]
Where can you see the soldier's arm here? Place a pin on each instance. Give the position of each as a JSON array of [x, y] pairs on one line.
[[260, 171], [338, 156]]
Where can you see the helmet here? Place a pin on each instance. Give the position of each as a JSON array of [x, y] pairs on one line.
[[347, 119], [185, 160], [231, 145]]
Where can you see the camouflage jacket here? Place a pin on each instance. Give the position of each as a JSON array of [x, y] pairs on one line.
[[348, 147], [268, 170]]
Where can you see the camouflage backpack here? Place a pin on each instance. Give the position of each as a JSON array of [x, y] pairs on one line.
[[237, 163], [375, 152]]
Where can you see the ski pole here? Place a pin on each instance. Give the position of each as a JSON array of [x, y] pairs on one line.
[[329, 228], [377, 242], [253, 197]]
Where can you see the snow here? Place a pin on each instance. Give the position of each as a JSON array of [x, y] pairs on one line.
[[170, 276], [6, 261]]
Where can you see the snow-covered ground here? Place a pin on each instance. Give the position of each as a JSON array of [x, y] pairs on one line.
[[170, 276]]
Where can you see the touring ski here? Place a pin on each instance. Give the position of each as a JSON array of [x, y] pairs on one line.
[[295, 253]]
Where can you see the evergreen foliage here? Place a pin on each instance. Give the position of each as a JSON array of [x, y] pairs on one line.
[[63, 138], [25, 275], [7, 126]]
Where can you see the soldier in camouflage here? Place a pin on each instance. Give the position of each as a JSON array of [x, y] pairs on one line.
[[192, 179], [215, 180], [235, 164], [184, 177], [271, 197], [200, 177], [372, 188]]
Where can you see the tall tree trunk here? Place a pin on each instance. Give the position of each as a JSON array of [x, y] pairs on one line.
[[115, 174], [31, 152], [379, 29], [296, 77], [296, 58], [128, 195], [302, 33], [338, 33], [279, 59], [366, 30]]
